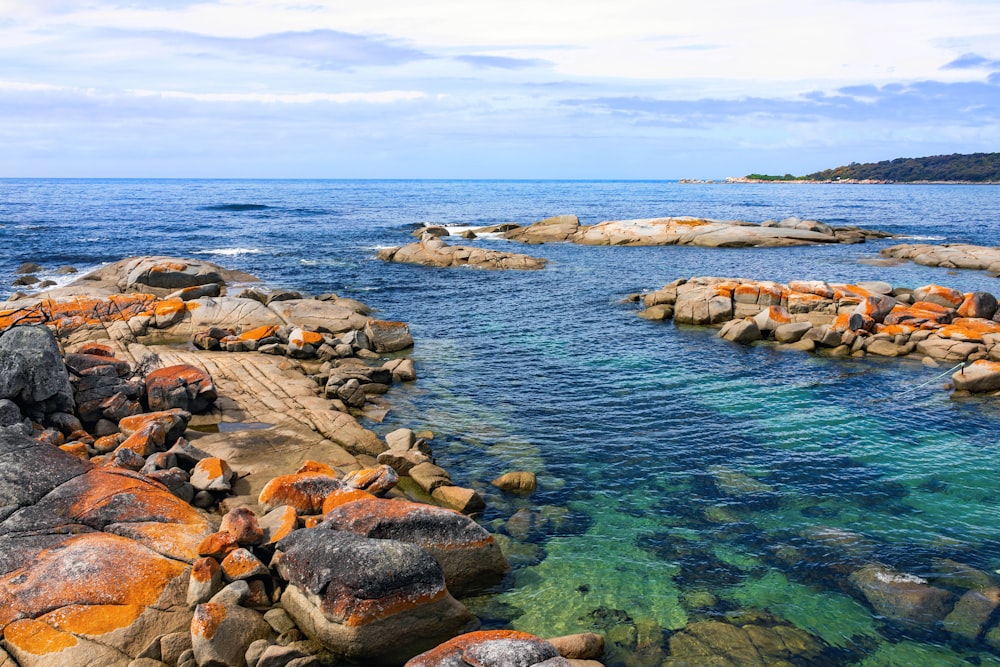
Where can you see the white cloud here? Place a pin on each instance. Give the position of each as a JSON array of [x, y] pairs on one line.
[[379, 97]]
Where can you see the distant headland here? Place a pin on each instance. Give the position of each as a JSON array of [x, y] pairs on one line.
[[975, 168]]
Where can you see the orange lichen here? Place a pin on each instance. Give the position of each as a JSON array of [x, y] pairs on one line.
[[460, 644], [218, 545], [100, 500], [147, 440], [242, 524], [97, 349], [87, 569], [303, 491], [259, 333], [204, 569], [307, 338], [283, 521], [37, 638], [95, 619], [168, 307], [241, 564], [344, 496], [77, 449], [207, 619], [749, 292], [315, 466], [167, 418], [969, 328], [213, 467], [355, 612]]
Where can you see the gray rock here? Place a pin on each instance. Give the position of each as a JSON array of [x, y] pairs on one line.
[[32, 369], [387, 336], [792, 332], [10, 414], [743, 331]]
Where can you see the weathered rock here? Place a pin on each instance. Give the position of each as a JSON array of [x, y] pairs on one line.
[[972, 613], [558, 228], [978, 377], [212, 474], [242, 564], [978, 304], [243, 524], [902, 597], [322, 316], [182, 386], [376, 481], [468, 554], [516, 482], [204, 582], [583, 646], [168, 273], [792, 332], [939, 295], [432, 251], [220, 635], [388, 336], [743, 331], [459, 498], [402, 370], [492, 648], [278, 523], [726, 645], [429, 476], [32, 371], [174, 422], [304, 491], [378, 601]]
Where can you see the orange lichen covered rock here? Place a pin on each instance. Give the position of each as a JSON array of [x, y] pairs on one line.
[[204, 582], [373, 601], [377, 481], [344, 496], [147, 440], [969, 329], [259, 333], [919, 314], [812, 287], [304, 491], [241, 564], [387, 336], [88, 569], [182, 386], [315, 466], [978, 304], [220, 635], [218, 545], [174, 421], [212, 474], [77, 449], [242, 523], [278, 523], [937, 294], [491, 648], [978, 377], [80, 310], [466, 551]]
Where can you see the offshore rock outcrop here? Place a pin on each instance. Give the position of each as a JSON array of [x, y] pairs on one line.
[[430, 250], [936, 323], [688, 231], [948, 255]]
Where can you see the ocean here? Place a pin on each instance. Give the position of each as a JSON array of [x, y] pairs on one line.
[[682, 478]]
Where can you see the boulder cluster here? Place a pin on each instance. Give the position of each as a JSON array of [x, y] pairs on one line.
[[684, 231], [124, 542], [935, 323]]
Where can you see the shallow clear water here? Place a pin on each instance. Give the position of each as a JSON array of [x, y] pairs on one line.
[[681, 476]]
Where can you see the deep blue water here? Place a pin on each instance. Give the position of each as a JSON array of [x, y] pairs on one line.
[[681, 476]]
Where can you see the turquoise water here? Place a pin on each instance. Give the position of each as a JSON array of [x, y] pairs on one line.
[[682, 478]]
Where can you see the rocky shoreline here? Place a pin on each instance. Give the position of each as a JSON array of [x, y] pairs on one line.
[[948, 255], [184, 482], [935, 324], [430, 250]]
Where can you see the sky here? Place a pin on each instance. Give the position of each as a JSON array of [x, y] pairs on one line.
[[629, 89]]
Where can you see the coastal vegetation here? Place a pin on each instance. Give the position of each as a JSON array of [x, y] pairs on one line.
[[971, 168]]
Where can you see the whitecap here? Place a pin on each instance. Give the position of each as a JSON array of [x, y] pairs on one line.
[[230, 252], [925, 238]]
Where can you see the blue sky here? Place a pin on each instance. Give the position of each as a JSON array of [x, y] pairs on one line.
[[485, 89]]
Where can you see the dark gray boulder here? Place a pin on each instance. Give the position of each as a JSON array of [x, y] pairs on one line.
[[32, 372]]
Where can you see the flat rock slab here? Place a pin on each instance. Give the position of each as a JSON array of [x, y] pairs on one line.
[[948, 255], [688, 231]]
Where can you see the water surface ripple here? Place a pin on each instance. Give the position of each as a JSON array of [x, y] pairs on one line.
[[682, 478]]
